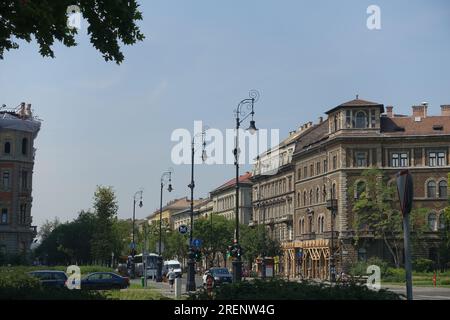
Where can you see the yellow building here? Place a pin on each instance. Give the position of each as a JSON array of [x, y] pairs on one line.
[[168, 210]]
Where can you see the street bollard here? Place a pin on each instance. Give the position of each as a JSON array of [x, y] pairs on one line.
[[177, 288]]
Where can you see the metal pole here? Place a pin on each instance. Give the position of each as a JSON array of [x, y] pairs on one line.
[[133, 249], [408, 267], [263, 262], [190, 284], [159, 262], [237, 263], [145, 255]]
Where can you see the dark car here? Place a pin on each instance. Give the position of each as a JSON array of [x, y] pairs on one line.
[[220, 276], [50, 278], [104, 281]]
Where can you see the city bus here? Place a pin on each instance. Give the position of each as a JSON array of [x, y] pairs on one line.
[[151, 263]]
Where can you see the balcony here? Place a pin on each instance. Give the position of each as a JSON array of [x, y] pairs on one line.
[[308, 236]]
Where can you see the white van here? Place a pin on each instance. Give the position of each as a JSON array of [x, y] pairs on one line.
[[172, 264]]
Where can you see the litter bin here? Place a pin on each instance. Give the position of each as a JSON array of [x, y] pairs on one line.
[[143, 282]]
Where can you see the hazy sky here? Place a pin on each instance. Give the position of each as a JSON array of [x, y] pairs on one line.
[[111, 125]]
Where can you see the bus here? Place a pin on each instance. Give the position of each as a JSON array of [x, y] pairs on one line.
[[152, 259]]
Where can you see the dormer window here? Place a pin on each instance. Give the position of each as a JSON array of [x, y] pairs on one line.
[[361, 120]]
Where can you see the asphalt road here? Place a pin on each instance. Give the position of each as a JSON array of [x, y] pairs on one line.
[[422, 293], [164, 287]]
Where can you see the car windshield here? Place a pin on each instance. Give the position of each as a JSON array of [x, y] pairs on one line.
[[220, 271]]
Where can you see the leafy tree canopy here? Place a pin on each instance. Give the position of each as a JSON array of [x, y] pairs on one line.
[[110, 23]]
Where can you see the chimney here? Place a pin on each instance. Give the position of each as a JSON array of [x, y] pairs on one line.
[[320, 120], [389, 111], [420, 111], [445, 110], [28, 113]]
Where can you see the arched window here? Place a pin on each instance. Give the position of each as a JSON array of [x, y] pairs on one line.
[[441, 222], [317, 195], [310, 196], [432, 221], [361, 120], [443, 189], [24, 146], [333, 191], [360, 188], [324, 192], [304, 198], [431, 189], [7, 148]]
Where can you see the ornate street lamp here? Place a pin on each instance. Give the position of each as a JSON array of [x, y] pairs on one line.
[[133, 243], [241, 115], [166, 178], [190, 282]]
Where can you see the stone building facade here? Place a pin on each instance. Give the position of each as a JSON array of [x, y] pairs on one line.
[[273, 191], [18, 129], [224, 199], [330, 159]]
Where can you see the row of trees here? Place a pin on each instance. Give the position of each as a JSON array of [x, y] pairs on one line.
[[91, 237], [95, 235]]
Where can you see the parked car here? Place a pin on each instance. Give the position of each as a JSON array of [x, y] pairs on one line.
[[50, 278], [104, 281], [172, 264], [220, 276]]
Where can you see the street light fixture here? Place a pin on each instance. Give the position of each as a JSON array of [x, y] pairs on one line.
[[166, 178], [190, 282], [241, 115], [332, 205], [133, 243]]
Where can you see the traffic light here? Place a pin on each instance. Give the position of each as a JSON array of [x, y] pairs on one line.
[[197, 255], [235, 251]]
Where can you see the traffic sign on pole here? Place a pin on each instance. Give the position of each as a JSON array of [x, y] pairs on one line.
[[183, 229], [197, 243]]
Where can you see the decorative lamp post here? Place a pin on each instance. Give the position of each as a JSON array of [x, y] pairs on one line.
[[332, 205], [190, 282], [133, 243], [166, 178], [241, 115]]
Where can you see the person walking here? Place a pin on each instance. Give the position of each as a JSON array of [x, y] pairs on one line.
[[171, 275]]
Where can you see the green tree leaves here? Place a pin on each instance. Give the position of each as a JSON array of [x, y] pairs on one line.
[[109, 24]]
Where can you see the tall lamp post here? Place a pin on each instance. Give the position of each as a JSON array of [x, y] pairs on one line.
[[332, 206], [190, 282], [133, 243], [166, 177], [241, 115]]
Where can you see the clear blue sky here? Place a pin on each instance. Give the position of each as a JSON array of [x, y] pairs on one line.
[[111, 125]]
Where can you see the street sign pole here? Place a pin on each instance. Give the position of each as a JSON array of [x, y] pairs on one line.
[[408, 266], [406, 195]]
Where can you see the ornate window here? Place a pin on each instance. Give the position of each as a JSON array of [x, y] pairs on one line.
[[399, 159], [317, 195], [310, 196], [361, 120], [431, 189], [443, 189], [441, 221], [361, 159], [5, 178], [436, 159], [432, 221]]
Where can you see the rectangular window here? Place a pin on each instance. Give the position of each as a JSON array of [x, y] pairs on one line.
[[436, 159], [311, 170], [4, 217], [325, 165], [373, 119], [24, 180], [400, 159], [305, 172], [22, 214], [299, 174], [404, 160], [6, 180], [334, 162], [348, 119], [361, 159], [318, 168]]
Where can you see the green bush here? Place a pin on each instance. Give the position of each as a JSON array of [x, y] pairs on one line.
[[423, 265], [360, 268], [394, 275], [277, 289]]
